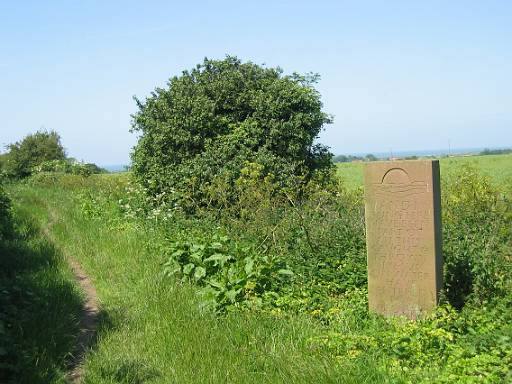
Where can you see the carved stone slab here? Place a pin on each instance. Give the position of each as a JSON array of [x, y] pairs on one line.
[[403, 236]]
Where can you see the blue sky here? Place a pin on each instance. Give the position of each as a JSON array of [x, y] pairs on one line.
[[396, 75]]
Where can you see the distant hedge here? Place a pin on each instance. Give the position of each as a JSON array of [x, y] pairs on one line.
[[41, 152], [68, 166], [199, 134], [31, 151]]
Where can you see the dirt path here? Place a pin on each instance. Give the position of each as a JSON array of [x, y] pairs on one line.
[[89, 318]]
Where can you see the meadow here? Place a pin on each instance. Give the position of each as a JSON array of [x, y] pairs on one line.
[[289, 300], [497, 167]]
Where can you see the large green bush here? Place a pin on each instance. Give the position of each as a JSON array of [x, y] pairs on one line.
[[28, 153], [198, 133], [477, 238]]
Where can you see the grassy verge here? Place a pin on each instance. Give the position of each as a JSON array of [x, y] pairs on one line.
[[154, 331], [39, 302]]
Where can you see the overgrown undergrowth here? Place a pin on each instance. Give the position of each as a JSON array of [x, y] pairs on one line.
[[270, 290], [155, 329]]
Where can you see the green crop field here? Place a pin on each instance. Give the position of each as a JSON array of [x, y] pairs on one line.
[[497, 167]]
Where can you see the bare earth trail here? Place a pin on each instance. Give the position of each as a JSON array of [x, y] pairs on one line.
[[89, 317]]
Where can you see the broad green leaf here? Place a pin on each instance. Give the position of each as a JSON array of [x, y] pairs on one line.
[[216, 284], [249, 264], [187, 269], [199, 273]]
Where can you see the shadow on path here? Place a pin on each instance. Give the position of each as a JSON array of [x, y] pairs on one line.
[[46, 323]]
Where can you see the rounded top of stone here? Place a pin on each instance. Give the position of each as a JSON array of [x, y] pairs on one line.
[[396, 176]]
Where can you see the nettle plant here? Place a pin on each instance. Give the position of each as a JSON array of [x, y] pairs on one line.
[[228, 274]]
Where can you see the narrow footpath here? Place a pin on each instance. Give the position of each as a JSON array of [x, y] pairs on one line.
[[89, 317]]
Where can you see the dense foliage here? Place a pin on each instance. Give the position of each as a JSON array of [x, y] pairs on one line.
[[41, 154], [68, 166], [199, 133], [477, 222], [5, 214], [31, 151]]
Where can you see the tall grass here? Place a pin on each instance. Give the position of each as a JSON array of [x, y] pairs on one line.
[[39, 302]]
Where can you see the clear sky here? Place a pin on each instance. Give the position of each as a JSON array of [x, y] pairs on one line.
[[401, 75]]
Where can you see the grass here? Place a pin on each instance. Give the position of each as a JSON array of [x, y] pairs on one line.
[[39, 302], [154, 331], [497, 167]]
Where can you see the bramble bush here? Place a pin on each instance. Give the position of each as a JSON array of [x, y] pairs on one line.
[[477, 238], [198, 133]]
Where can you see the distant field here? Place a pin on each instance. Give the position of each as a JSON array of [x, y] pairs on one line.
[[498, 167]]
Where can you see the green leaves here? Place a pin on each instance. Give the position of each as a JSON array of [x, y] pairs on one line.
[[199, 273], [229, 275], [33, 150], [209, 122], [5, 214], [477, 218]]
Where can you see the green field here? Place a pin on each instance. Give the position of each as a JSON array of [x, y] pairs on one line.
[[497, 167]]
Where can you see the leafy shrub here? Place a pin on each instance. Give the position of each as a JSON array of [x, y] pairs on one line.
[[198, 133], [229, 275], [477, 222], [33, 150], [320, 237]]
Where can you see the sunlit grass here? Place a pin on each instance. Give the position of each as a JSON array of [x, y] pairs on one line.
[[39, 302], [154, 330]]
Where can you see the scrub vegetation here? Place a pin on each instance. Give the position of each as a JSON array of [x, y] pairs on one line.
[[278, 295]]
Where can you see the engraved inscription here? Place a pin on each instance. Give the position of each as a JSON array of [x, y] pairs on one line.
[[401, 240]]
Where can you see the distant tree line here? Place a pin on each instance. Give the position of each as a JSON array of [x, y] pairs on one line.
[[349, 158], [41, 152], [488, 151]]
